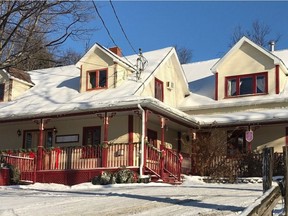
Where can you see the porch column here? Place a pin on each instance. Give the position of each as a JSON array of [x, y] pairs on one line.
[[130, 141], [105, 147], [179, 134], [163, 123], [162, 147], [40, 144], [146, 114]]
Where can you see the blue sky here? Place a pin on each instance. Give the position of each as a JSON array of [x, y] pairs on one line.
[[205, 27]]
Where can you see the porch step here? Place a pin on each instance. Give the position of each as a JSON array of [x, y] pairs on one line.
[[167, 178]]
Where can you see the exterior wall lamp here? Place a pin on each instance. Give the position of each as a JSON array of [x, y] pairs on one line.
[[19, 133], [55, 130]]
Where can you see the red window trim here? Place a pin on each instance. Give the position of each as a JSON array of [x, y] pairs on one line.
[[97, 79], [162, 89], [254, 84]]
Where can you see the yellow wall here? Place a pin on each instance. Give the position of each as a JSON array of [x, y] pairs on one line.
[[246, 60], [168, 71], [99, 60], [18, 88]]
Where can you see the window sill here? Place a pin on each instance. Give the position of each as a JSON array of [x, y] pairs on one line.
[[246, 95]]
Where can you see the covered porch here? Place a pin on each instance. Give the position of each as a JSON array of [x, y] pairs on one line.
[[74, 148]]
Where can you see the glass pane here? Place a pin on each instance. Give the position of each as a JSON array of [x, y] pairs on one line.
[[92, 136], [102, 78], [92, 80], [232, 90], [49, 139], [28, 140], [260, 83], [2, 88], [96, 136], [246, 86]]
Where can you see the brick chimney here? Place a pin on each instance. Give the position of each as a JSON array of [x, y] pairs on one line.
[[116, 50]]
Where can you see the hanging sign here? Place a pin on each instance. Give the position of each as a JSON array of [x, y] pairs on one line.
[[249, 135]]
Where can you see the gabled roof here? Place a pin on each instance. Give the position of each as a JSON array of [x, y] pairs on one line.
[[120, 60], [56, 92], [276, 60], [20, 75]]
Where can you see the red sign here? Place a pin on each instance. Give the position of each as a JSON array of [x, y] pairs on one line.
[[249, 136]]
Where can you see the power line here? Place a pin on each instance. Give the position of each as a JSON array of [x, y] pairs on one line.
[[109, 34], [121, 26]]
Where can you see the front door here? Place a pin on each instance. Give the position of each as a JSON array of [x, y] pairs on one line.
[[152, 137]]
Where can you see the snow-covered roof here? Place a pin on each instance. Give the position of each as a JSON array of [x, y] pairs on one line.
[[276, 59], [56, 92], [258, 116], [202, 86], [19, 75]]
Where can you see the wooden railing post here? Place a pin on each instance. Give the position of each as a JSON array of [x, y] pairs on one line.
[[105, 147], [40, 145], [130, 141], [180, 166], [267, 168], [285, 186], [162, 159]]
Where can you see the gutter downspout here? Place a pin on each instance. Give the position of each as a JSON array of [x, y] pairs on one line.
[[141, 176]]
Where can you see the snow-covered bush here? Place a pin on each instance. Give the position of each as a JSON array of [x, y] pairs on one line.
[[104, 178], [126, 176], [123, 175]]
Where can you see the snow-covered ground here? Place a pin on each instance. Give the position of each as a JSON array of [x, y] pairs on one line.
[[193, 197]]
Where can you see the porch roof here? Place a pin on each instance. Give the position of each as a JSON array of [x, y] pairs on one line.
[[250, 117]]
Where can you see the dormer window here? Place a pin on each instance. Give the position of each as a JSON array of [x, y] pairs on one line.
[[97, 79], [244, 85]]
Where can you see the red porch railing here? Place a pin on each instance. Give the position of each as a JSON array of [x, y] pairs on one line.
[[172, 163], [165, 161], [77, 157], [118, 154], [153, 156], [89, 157], [25, 164]]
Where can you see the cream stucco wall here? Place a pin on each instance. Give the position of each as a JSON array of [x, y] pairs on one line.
[[168, 71], [18, 88], [118, 130]]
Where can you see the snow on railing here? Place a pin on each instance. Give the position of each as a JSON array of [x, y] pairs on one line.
[[90, 157], [22, 162]]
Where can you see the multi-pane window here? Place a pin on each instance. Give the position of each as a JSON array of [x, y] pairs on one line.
[[91, 142], [236, 142], [159, 89], [97, 79], [31, 138], [252, 84], [2, 91]]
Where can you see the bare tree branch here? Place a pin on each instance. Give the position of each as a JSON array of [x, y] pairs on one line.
[[27, 27], [258, 33]]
